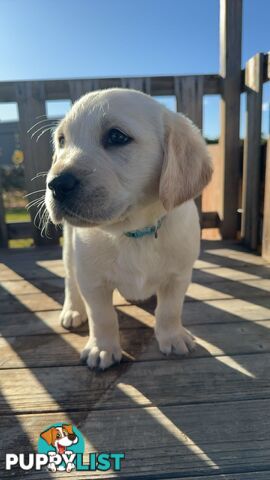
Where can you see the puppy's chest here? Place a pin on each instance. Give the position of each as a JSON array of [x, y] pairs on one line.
[[136, 271]]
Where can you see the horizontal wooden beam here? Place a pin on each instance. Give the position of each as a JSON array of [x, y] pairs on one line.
[[210, 220], [21, 230], [62, 89]]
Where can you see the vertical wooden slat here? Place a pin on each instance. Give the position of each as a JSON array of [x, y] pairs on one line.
[[147, 85], [252, 152], [3, 226], [230, 70], [37, 155], [75, 90], [134, 83], [266, 212], [78, 88], [189, 98]]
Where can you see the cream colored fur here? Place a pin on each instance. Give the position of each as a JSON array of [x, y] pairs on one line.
[[122, 189]]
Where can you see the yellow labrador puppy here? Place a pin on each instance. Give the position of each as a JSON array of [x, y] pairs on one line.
[[123, 179]]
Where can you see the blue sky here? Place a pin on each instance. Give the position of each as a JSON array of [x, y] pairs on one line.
[[92, 38]]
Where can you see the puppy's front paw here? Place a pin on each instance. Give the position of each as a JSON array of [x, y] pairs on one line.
[[179, 342], [96, 356], [72, 318]]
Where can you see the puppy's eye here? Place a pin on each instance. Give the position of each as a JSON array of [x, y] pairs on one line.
[[116, 138], [58, 435], [61, 141]]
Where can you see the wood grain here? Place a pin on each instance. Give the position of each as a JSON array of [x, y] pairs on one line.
[[252, 153]]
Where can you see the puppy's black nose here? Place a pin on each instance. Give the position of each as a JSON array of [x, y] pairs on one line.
[[63, 185]]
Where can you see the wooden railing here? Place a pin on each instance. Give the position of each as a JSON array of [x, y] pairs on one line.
[[31, 98], [188, 91]]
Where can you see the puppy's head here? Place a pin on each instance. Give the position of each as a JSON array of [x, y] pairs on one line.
[[60, 437], [117, 150]]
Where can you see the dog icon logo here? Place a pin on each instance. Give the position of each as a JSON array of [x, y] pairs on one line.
[[61, 442]]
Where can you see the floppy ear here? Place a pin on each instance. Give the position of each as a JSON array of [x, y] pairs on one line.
[[68, 428], [187, 167], [48, 436]]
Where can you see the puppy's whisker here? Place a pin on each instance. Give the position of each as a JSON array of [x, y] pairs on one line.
[[44, 131], [39, 174], [39, 123], [42, 217], [34, 203], [46, 224], [37, 216], [33, 193], [36, 200], [44, 127]]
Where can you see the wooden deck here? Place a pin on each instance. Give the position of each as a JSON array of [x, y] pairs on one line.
[[205, 417]]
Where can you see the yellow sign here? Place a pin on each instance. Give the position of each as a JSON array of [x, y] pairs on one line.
[[17, 157]]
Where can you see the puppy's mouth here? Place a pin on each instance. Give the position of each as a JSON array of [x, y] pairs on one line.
[[86, 209], [61, 449], [81, 221], [78, 219]]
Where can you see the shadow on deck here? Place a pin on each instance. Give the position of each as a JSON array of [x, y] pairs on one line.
[[202, 417]]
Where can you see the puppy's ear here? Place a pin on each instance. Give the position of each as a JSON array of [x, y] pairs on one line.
[[68, 428], [48, 436], [187, 167]]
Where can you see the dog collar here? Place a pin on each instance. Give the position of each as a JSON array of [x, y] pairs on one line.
[[151, 230]]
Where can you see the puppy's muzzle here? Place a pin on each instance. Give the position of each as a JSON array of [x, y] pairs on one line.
[[63, 186]]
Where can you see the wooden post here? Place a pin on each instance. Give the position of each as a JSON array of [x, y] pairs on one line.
[[266, 213], [252, 152], [230, 70], [189, 99], [3, 226], [37, 156]]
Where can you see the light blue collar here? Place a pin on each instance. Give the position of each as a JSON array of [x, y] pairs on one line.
[[152, 230]]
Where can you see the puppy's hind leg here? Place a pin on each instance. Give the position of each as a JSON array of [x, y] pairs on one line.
[[172, 337], [73, 313]]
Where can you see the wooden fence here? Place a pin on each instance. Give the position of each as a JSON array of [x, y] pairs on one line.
[[188, 91]]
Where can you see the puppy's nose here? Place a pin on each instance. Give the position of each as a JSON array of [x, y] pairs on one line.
[[63, 185]]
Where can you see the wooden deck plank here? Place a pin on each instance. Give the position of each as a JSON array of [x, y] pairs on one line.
[[205, 416], [64, 349], [206, 275], [256, 475], [192, 381], [49, 296], [21, 270], [184, 440], [208, 312]]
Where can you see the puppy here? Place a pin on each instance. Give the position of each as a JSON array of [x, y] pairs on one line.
[[123, 178], [60, 438]]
